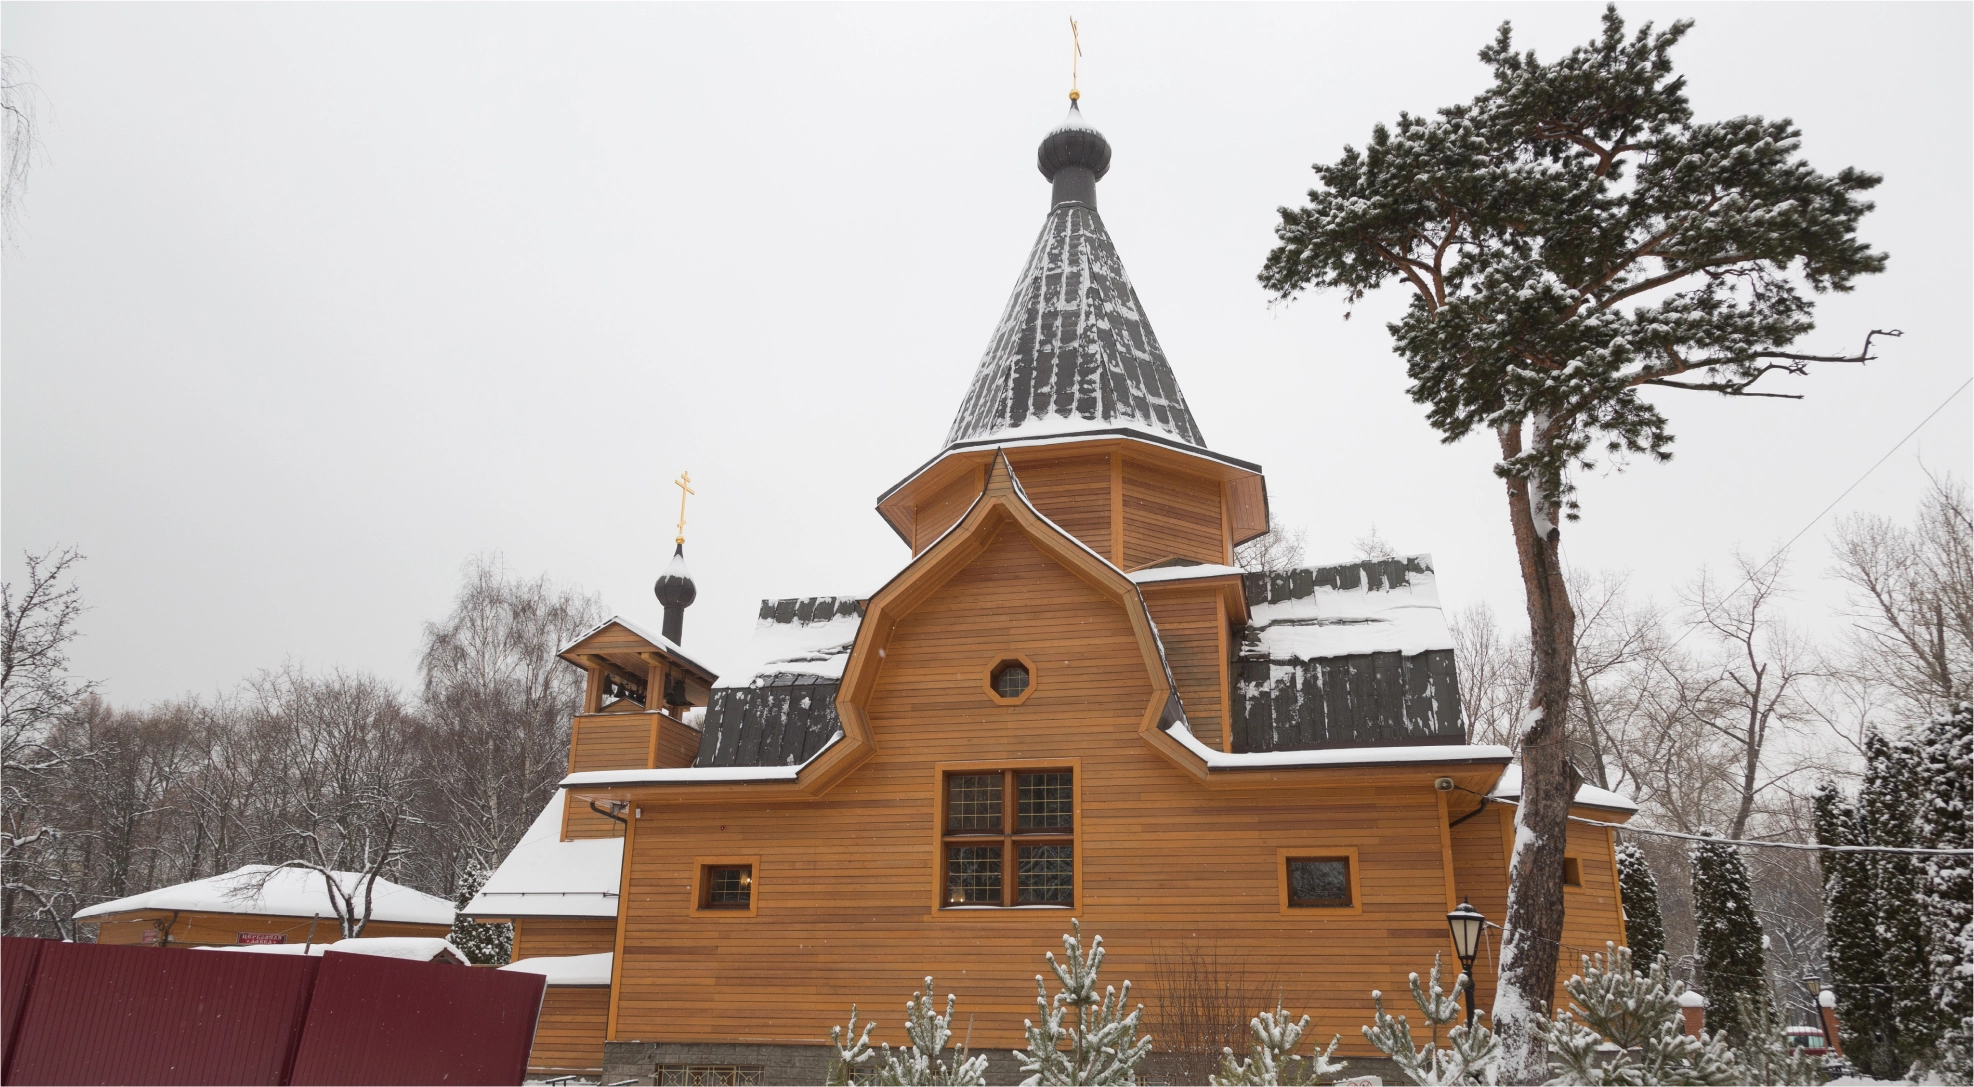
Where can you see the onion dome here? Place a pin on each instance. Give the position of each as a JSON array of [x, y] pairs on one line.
[[1074, 144], [676, 592]]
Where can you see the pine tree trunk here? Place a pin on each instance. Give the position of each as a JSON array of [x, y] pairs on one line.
[[1533, 929]]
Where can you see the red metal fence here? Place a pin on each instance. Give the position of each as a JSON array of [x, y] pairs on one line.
[[88, 1014]]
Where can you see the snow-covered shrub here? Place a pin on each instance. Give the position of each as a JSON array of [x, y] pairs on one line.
[[1644, 924], [1103, 1047], [485, 944], [1729, 935], [1473, 1055], [1767, 1059], [926, 1064], [1613, 1007], [1274, 1062]]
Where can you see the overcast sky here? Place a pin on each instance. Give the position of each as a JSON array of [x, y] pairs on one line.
[[312, 303]]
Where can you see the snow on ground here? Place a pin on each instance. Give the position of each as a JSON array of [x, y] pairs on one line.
[[286, 892], [568, 969], [544, 876]]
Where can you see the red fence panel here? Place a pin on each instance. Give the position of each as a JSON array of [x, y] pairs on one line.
[[18, 956], [146, 1015], [387, 1021]]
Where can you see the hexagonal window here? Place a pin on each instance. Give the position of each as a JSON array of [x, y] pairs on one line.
[[1010, 679]]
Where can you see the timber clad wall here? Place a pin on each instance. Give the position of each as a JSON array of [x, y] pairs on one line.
[[1074, 492], [1170, 515], [569, 1037], [938, 512], [1188, 621], [846, 883], [624, 741], [581, 822], [539, 937]]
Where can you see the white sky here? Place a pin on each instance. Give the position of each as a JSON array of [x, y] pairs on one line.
[[313, 302]]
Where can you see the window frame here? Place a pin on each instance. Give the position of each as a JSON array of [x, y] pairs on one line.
[[1319, 851], [987, 679], [1568, 860], [1010, 839], [701, 886]]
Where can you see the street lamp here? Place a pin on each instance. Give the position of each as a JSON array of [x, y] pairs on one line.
[[1466, 923]]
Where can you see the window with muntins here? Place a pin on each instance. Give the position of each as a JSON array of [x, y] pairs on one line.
[[1009, 838], [728, 887]]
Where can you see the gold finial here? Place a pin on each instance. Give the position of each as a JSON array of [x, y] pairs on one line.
[[1075, 53], [684, 484]]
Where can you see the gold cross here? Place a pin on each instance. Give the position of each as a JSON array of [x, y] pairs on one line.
[[684, 484], [1076, 51]]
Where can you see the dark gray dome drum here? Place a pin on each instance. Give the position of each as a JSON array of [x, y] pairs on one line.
[[676, 592]]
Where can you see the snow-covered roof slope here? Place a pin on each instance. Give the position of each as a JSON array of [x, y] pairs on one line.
[[1337, 756], [1073, 351], [414, 948], [1590, 796], [1351, 608], [797, 640], [1183, 573], [544, 876], [651, 636], [568, 969], [287, 892]]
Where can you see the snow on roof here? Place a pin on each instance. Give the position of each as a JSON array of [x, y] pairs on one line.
[[287, 892], [658, 640], [1590, 796], [1337, 756], [1184, 573], [568, 969], [804, 651], [695, 775], [414, 948], [1332, 622], [544, 876]]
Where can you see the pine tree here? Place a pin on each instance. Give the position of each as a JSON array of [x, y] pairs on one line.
[[1729, 936], [1766, 1059], [1103, 1043], [1891, 813], [1611, 1002], [485, 945], [1947, 772], [1472, 1055], [1644, 926], [1566, 239], [927, 1063], [1857, 972], [1273, 1062]]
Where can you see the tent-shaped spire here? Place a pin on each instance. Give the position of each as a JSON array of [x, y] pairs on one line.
[[1073, 351]]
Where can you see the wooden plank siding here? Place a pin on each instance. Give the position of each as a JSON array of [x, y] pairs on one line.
[[581, 822], [940, 509], [1072, 491], [570, 1033], [540, 937], [847, 881], [1189, 625], [190, 929]]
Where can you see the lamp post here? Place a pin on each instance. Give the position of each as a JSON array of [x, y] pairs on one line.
[[1466, 923]]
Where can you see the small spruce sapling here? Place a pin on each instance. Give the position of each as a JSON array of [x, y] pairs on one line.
[[1274, 1062], [1473, 1055], [927, 1063], [489, 944], [1612, 1005], [1766, 1059], [1103, 1044]]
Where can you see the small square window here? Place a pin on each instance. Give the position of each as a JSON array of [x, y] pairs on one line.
[[1047, 874], [1572, 872], [729, 887], [1319, 882], [973, 802], [1047, 801]]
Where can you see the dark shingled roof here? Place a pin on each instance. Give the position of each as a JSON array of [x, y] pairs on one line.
[[1074, 350]]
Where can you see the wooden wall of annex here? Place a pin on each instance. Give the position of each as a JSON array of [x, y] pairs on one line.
[[846, 884]]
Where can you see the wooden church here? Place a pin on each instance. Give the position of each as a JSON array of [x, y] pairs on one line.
[[1068, 702]]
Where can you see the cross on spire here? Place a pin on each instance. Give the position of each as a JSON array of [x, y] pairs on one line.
[[1075, 54], [684, 484]]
